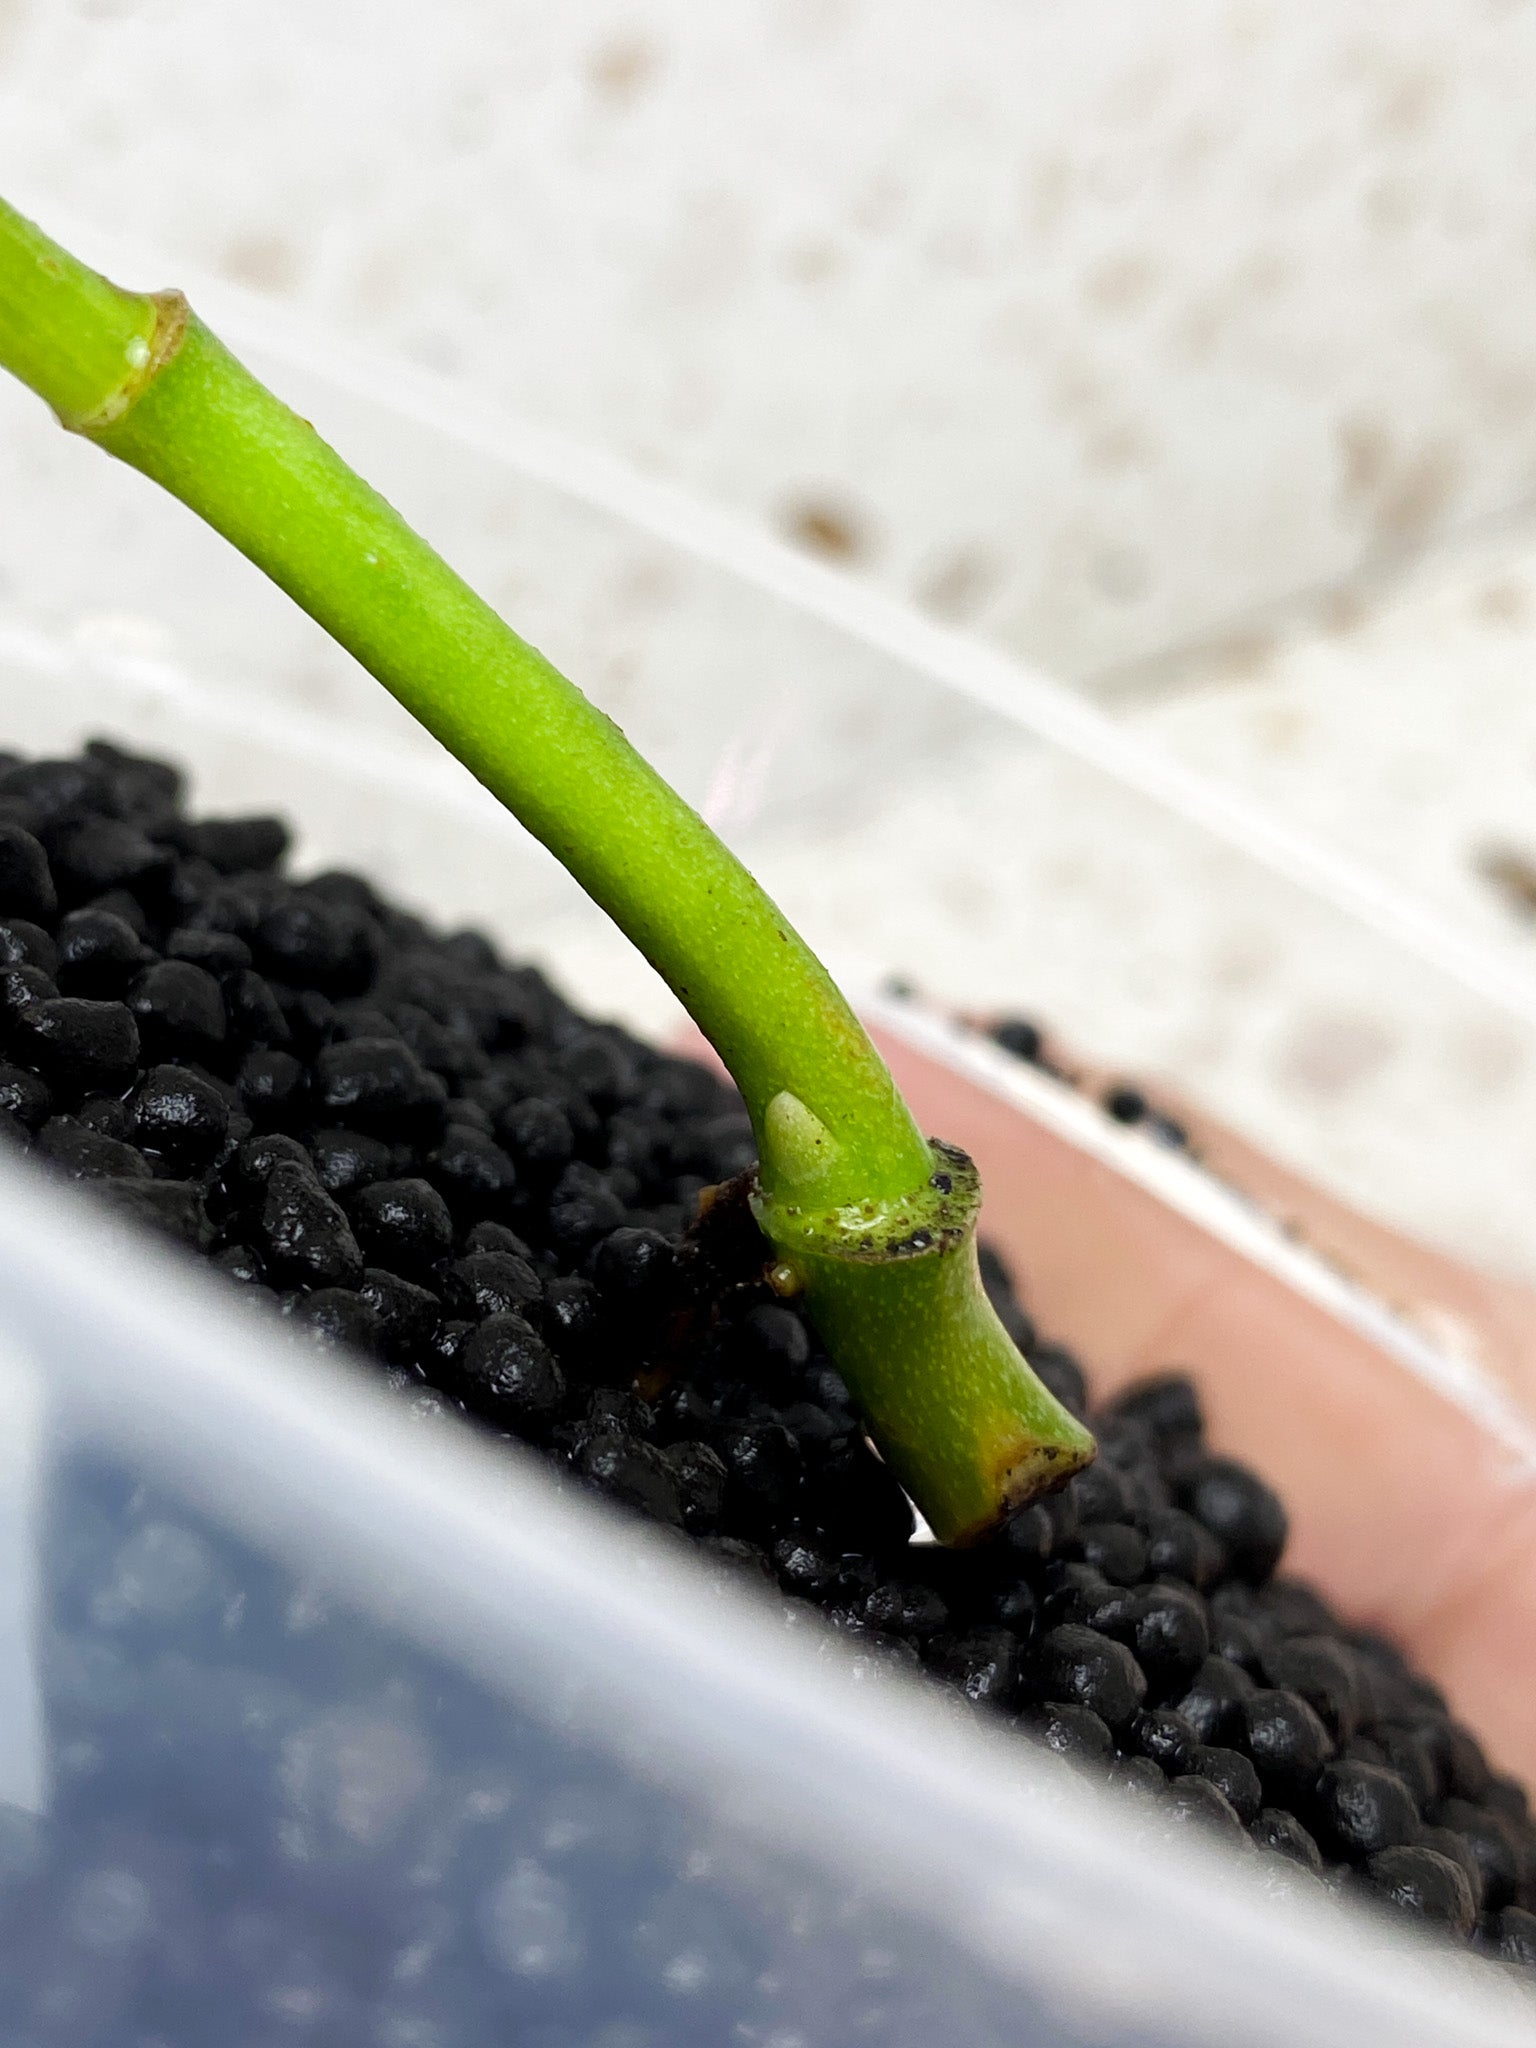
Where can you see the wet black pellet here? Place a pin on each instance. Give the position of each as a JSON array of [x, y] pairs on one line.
[[1126, 1105], [1233, 1776], [509, 1373], [121, 903], [700, 1478], [1495, 1846], [95, 854], [112, 1115], [1166, 1405], [374, 1083], [24, 944], [241, 1262], [905, 1609], [637, 1269], [778, 1337], [405, 1315], [180, 1010], [583, 1209], [219, 952], [1116, 1549], [445, 1349], [1415, 1756], [572, 1321], [51, 791], [26, 883], [765, 1465], [604, 1408], [808, 1565], [496, 1237], [309, 942], [1015, 1607], [489, 1284], [239, 846], [1170, 1636], [181, 1114], [173, 1208], [984, 1665], [24, 1095], [1137, 1775], [1469, 1775], [537, 1133], [1166, 1738], [1241, 1512], [99, 953], [251, 1167], [1071, 1730], [404, 1224], [86, 1154], [1098, 1494], [1029, 1537], [22, 985], [75, 1042], [427, 1158], [270, 1083], [1020, 1037], [1239, 1642], [631, 1472], [1213, 1701], [1196, 1802], [1283, 1833], [1081, 1593], [428, 1404], [305, 1237], [253, 1012], [473, 1171], [1179, 1547], [1456, 1848], [1064, 1376], [1285, 1738], [345, 1161], [1507, 1795], [337, 1316], [1326, 1675], [1515, 1935], [1423, 1885], [1361, 1808], [1090, 1670]]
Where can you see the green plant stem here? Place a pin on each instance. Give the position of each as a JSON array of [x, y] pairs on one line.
[[142, 377]]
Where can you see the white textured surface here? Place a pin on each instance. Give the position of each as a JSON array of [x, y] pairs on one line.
[[1400, 728], [1096, 326]]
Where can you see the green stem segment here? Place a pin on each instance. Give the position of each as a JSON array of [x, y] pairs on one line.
[[142, 377]]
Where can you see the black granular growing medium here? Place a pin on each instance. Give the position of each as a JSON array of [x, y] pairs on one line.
[[414, 1150]]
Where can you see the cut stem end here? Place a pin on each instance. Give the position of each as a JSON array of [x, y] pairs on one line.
[[894, 1289]]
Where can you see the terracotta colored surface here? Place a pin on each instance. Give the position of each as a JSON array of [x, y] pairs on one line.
[[1493, 1317], [1402, 1510]]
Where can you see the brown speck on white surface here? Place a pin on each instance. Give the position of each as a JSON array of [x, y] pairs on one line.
[[827, 526], [1328, 1054], [621, 68]]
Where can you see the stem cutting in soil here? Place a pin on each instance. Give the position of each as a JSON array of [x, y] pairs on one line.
[[876, 1223]]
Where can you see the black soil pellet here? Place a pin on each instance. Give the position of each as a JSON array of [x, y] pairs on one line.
[[414, 1151], [1425, 1885], [26, 882]]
